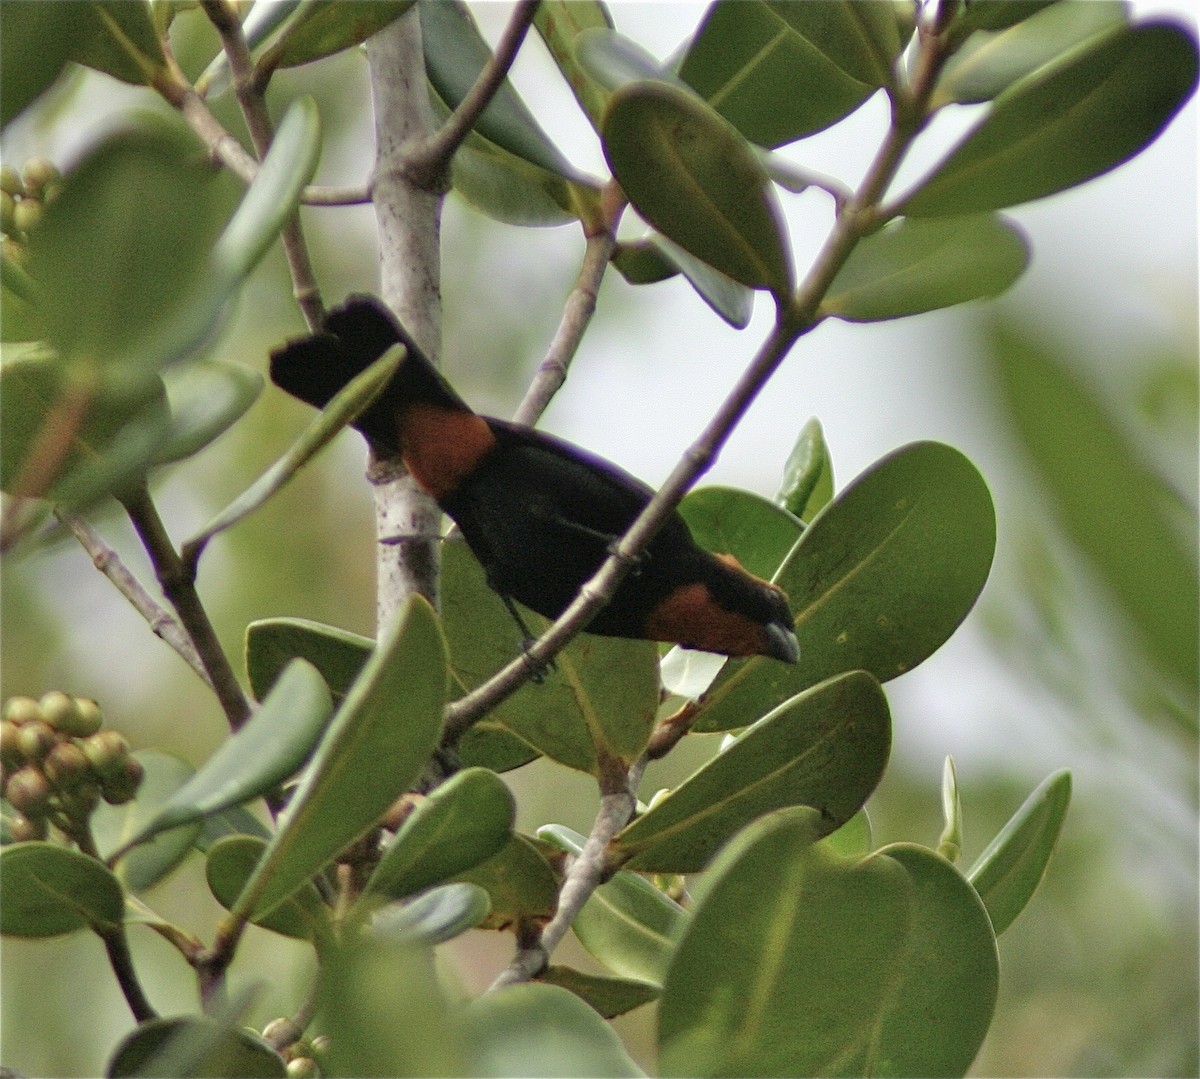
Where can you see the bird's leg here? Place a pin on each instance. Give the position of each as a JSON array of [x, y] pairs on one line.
[[527, 639]]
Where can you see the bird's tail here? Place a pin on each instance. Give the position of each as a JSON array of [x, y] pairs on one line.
[[352, 337]]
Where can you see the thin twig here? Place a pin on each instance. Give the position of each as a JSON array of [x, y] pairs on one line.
[[432, 158], [108, 562], [357, 195], [180, 589]]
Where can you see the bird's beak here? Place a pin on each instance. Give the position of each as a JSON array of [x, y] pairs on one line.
[[782, 643]]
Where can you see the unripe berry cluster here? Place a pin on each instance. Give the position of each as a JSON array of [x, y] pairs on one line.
[[23, 196], [56, 763]]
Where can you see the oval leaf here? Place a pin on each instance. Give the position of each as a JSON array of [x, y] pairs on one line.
[[377, 744], [1008, 872], [271, 746], [456, 827], [807, 484], [727, 520], [47, 890], [826, 748], [1078, 119], [439, 915], [231, 862], [560, 24], [272, 643], [609, 997], [193, 1045], [910, 267], [879, 580], [519, 882], [205, 398], [695, 179]]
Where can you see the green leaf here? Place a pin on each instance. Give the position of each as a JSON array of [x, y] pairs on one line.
[[377, 744], [989, 62], [519, 882], [322, 29], [1072, 121], [807, 484], [273, 196], [272, 643], [71, 433], [951, 841], [826, 748], [455, 54], [271, 746], [863, 40], [164, 774], [598, 703], [769, 79], [206, 397], [996, 14], [124, 41], [728, 520], [260, 23], [347, 403], [947, 977], [694, 178], [914, 266], [733, 301], [456, 827], [1008, 872], [47, 890], [853, 839], [879, 580], [231, 862], [560, 24], [193, 1045], [144, 209], [1088, 465], [609, 997], [611, 60], [37, 42], [790, 957], [384, 1009], [541, 1030], [434, 917]]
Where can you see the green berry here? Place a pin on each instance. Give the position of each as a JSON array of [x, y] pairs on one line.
[[36, 739], [27, 214], [10, 181], [302, 1068], [58, 709], [29, 792], [107, 751], [11, 757], [123, 786], [25, 829], [80, 800], [37, 173], [8, 213], [66, 766], [88, 717], [15, 251], [21, 710]]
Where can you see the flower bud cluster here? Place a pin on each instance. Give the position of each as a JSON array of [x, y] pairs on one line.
[[23, 198], [57, 764]]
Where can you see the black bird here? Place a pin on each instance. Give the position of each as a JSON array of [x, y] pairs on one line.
[[539, 513]]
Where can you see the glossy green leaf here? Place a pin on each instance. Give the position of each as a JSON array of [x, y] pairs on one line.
[[347, 403], [948, 973], [206, 397], [989, 62], [598, 703], [193, 1045], [322, 29], [232, 861], [47, 890], [237, 820], [611, 60], [507, 188], [807, 484], [72, 433], [768, 79], [434, 917], [791, 956], [456, 827], [826, 748], [951, 841], [862, 39], [261, 23], [272, 643], [455, 54], [1076, 119], [879, 580], [385, 1011], [142, 207], [272, 745], [377, 744], [913, 266], [996, 14], [124, 42], [609, 997], [560, 22], [37, 42], [541, 1030], [1088, 465], [728, 520], [273, 196], [519, 882], [1008, 872], [163, 776], [694, 178], [627, 923], [733, 301], [853, 839]]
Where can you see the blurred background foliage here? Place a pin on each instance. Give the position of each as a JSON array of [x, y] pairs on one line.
[[1076, 396]]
